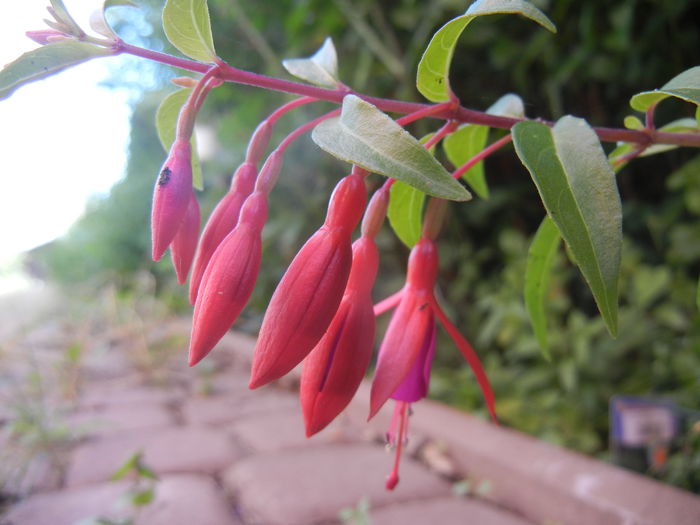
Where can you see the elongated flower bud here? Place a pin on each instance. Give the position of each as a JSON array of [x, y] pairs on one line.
[[310, 291], [221, 222], [171, 197], [334, 369], [185, 242], [229, 279]]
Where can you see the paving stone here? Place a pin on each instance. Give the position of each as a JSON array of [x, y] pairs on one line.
[[67, 507], [217, 410], [115, 419], [445, 511], [188, 500], [278, 430], [165, 450], [307, 485]]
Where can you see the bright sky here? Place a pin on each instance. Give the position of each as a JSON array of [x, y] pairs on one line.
[[62, 139]]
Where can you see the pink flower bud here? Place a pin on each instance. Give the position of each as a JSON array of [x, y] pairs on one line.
[[46, 36], [229, 279], [334, 369], [185, 242], [310, 291], [171, 197], [221, 222]]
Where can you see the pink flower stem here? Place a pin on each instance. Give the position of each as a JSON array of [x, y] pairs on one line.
[[282, 110], [449, 111], [492, 148], [304, 128], [185, 121]]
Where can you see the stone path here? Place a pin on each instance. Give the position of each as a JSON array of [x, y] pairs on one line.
[[231, 456]]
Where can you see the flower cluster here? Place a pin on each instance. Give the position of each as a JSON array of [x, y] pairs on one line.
[[321, 313]]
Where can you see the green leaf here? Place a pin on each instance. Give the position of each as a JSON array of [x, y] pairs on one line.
[[539, 266], [405, 212], [98, 21], [461, 146], [63, 17], [578, 189], [697, 295], [142, 497], [685, 86], [365, 136], [128, 466], [683, 125], [697, 115], [166, 123], [46, 61], [320, 69], [632, 122], [434, 67], [187, 26]]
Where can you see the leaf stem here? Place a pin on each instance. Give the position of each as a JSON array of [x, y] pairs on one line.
[[488, 150], [461, 114]]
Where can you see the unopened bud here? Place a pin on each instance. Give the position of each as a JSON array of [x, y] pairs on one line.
[[434, 217], [375, 213], [258, 142], [184, 82], [46, 36], [269, 172]]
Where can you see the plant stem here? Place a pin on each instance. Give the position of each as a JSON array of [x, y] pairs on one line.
[[461, 114], [492, 148]]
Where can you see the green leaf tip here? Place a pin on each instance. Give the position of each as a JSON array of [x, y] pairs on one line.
[[579, 192], [434, 68], [186, 24], [685, 86], [365, 136], [320, 69], [539, 265]]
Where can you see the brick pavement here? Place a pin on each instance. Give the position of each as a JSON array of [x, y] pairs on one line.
[[239, 457]]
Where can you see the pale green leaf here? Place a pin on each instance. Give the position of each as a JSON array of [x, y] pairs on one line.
[[697, 115], [320, 69], [406, 212], [578, 189], [64, 17], [127, 467], [632, 122], [539, 265], [509, 105], [697, 295], [683, 125], [365, 136], [461, 146], [187, 26], [434, 67], [142, 497], [166, 123], [685, 86], [45, 61], [98, 21]]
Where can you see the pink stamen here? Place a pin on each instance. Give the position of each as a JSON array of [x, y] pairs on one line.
[[400, 411]]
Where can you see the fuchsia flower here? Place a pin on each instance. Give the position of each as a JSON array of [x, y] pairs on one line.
[[310, 291], [335, 368], [171, 197], [406, 353], [221, 222], [229, 279], [185, 242]]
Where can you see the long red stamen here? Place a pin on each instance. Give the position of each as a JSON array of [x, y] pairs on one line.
[[472, 358], [401, 409]]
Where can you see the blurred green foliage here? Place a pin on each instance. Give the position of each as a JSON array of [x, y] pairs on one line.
[[602, 55]]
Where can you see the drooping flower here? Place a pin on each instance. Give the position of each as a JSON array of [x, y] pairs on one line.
[[229, 279], [335, 367], [306, 299], [185, 242], [171, 196], [406, 353], [221, 222]]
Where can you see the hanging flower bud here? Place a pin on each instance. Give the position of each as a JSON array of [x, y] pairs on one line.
[[334, 369], [221, 222], [171, 197], [46, 36], [185, 242], [229, 279], [310, 291]]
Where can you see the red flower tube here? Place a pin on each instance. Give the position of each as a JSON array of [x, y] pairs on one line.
[[185, 242], [334, 369], [171, 197], [310, 291], [221, 222], [229, 279]]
